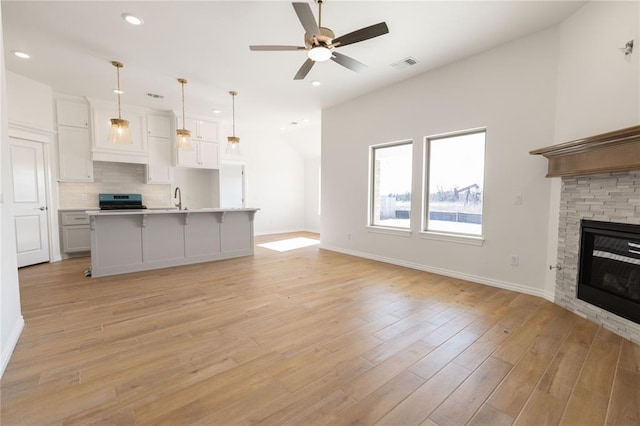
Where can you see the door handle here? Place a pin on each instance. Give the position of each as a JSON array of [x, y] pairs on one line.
[[42, 208]]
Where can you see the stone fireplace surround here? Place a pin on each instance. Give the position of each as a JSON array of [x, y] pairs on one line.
[[607, 197], [601, 182]]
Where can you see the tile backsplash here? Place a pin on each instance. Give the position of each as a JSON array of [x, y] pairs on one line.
[[113, 178]]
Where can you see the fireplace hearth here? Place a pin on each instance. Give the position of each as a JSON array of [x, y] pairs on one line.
[[609, 267]]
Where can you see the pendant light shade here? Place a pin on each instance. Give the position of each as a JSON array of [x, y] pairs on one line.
[[119, 132], [183, 135], [233, 142]]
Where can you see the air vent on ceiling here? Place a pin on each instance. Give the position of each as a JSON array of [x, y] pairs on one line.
[[404, 63], [155, 95]]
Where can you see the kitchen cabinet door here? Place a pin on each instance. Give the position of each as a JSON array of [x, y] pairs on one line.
[[159, 126], [74, 114], [159, 169], [208, 155], [74, 153], [188, 157], [208, 131]]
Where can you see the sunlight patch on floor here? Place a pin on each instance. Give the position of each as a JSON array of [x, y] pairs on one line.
[[290, 244]]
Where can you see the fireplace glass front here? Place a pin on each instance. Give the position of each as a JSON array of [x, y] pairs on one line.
[[609, 274]]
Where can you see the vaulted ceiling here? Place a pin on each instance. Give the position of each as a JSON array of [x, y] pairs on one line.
[[71, 44]]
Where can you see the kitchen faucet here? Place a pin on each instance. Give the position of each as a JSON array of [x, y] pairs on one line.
[[178, 194]]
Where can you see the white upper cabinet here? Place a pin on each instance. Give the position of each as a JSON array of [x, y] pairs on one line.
[[74, 141], [160, 167], [206, 151], [74, 148], [208, 131], [136, 152], [72, 113], [159, 126]]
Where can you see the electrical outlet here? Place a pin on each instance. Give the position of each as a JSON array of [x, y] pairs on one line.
[[515, 260]]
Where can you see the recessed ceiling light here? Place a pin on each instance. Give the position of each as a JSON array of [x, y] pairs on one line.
[[118, 92], [216, 111], [132, 19], [21, 55], [283, 128], [306, 120], [315, 83]]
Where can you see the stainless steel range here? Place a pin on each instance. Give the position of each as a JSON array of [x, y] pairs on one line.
[[120, 202]]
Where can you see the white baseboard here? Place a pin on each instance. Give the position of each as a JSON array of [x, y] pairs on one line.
[[445, 272], [10, 344]]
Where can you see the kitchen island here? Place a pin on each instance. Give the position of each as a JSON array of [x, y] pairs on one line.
[[125, 241]]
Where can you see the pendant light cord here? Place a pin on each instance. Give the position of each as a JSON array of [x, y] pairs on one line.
[[182, 83], [118, 77], [233, 109]]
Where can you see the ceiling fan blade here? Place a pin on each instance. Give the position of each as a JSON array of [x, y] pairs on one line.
[[305, 15], [348, 62], [304, 69], [275, 48], [362, 34]]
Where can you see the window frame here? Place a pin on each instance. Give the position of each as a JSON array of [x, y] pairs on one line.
[[373, 227], [461, 237]]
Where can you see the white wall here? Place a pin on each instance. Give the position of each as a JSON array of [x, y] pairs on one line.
[[31, 102], [312, 194], [10, 314], [511, 91], [598, 87], [274, 177]]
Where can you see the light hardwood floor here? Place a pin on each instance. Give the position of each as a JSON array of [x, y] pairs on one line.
[[306, 337]]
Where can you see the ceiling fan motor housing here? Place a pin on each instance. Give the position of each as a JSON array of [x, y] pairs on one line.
[[324, 39]]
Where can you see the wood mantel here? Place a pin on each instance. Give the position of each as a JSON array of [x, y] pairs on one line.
[[607, 152]]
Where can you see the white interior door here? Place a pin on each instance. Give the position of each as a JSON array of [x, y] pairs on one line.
[[29, 201], [232, 186]]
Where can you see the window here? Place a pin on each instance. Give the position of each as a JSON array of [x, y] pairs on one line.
[[455, 182], [391, 185]]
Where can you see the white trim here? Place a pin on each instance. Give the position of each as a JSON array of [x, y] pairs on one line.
[[11, 343], [389, 231], [18, 131], [445, 272], [452, 238]]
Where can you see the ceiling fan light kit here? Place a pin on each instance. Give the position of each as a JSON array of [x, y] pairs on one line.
[[119, 132], [320, 42], [319, 54]]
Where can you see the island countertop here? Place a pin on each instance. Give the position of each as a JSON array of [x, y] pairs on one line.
[[167, 211]]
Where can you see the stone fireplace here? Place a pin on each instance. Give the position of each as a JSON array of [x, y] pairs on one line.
[[611, 197], [600, 182]]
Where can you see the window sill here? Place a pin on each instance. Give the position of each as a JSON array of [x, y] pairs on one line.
[[452, 238], [389, 231]]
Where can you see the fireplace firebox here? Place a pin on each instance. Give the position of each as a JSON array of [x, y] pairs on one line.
[[609, 271]]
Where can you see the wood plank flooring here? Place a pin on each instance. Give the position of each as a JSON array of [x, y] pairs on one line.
[[306, 337]]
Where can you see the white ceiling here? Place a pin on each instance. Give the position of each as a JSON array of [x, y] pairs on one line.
[[206, 42]]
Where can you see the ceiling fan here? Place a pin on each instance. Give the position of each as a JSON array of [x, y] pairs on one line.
[[320, 42]]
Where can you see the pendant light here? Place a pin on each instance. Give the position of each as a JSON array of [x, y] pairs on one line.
[[119, 132], [184, 135], [233, 142]]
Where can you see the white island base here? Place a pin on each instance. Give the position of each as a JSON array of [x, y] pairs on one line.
[[141, 240]]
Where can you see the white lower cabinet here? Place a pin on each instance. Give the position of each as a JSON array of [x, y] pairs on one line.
[[76, 233]]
